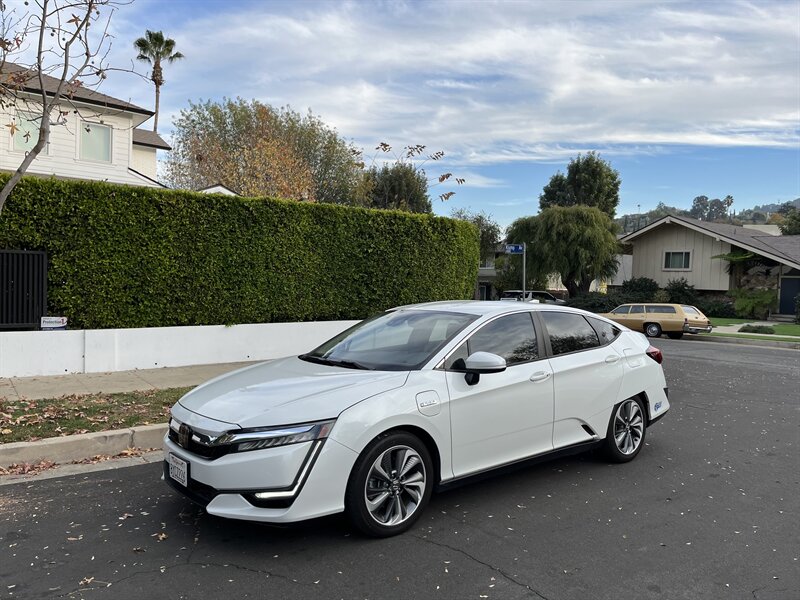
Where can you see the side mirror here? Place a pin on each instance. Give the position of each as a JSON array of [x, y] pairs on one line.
[[480, 363]]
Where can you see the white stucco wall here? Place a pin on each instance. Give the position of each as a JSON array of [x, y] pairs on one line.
[[30, 353]]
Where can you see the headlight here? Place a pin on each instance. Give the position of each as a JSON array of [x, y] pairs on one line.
[[269, 437]]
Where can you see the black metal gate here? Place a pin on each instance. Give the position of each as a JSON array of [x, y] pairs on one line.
[[23, 289]]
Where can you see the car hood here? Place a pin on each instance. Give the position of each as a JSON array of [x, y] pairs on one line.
[[287, 391]]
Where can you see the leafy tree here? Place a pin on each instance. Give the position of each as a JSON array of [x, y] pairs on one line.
[[154, 48], [488, 230], [240, 145], [589, 181], [401, 183], [790, 225], [699, 208], [399, 186], [71, 43], [710, 210], [578, 243], [258, 150]]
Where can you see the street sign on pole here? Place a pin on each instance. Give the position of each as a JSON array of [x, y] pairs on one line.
[[519, 249]]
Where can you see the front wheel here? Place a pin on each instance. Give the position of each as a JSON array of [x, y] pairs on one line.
[[626, 431], [390, 485], [652, 330]]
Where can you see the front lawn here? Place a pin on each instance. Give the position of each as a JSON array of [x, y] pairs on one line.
[[29, 420], [780, 328]]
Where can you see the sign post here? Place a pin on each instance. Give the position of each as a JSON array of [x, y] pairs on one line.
[[519, 249]]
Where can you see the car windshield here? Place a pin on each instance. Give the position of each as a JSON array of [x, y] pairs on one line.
[[402, 340]]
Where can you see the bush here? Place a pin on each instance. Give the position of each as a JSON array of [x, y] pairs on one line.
[[124, 256], [597, 302], [639, 289], [753, 303], [680, 292], [661, 296], [716, 307], [756, 329]]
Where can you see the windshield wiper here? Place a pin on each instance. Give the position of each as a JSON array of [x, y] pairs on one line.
[[347, 364]]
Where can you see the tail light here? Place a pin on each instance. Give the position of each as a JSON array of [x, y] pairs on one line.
[[655, 354]]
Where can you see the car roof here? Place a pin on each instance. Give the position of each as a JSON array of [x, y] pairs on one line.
[[653, 304], [485, 307]]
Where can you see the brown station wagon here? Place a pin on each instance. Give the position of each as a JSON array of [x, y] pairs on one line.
[[655, 319]]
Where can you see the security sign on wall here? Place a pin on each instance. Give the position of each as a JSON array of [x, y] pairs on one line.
[[53, 323]]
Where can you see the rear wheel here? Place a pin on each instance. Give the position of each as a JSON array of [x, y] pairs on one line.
[[652, 330], [390, 485], [676, 335], [626, 431]]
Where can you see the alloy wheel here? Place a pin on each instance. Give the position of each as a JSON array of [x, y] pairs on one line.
[[395, 485], [628, 427]]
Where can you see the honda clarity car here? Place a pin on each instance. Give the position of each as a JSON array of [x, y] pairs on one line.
[[371, 422]]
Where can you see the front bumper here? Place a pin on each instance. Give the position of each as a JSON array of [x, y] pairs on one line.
[[294, 482], [693, 329]]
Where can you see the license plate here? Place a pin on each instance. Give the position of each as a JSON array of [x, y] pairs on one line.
[[178, 469]]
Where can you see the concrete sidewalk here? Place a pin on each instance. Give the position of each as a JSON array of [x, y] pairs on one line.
[[35, 388]]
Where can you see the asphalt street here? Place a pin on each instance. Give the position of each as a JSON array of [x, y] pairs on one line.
[[708, 510]]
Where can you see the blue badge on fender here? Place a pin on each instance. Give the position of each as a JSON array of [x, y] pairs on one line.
[[658, 406]]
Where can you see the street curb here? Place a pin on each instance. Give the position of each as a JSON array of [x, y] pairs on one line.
[[747, 342], [85, 445]]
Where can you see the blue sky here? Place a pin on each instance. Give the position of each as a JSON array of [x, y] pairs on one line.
[[684, 99]]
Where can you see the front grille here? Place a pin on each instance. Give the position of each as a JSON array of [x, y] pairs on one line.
[[209, 452]]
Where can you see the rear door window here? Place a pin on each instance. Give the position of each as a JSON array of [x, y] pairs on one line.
[[569, 332], [605, 331], [637, 309]]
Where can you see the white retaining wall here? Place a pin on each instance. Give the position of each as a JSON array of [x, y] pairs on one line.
[[30, 353]]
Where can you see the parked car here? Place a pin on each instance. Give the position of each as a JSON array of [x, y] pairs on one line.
[[418, 397], [655, 319], [531, 296]]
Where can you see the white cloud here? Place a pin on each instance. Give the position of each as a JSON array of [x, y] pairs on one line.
[[498, 82]]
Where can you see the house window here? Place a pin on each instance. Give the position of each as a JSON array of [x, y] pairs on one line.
[[676, 260], [27, 131], [487, 263], [95, 142]]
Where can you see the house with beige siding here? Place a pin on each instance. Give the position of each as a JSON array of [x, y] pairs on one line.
[[92, 135], [679, 247]]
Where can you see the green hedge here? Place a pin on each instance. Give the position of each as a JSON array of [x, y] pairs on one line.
[[140, 257]]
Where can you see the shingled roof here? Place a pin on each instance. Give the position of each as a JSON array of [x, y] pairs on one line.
[[29, 82], [144, 137], [782, 248]]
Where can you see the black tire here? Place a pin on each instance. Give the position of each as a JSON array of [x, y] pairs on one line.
[[628, 420], [676, 335], [385, 455], [652, 330]]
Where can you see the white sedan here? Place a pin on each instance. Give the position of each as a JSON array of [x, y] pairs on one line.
[[373, 420]]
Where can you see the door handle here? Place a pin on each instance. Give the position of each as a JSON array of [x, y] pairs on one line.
[[612, 359], [540, 376]]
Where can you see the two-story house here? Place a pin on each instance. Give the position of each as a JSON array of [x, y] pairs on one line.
[[92, 135]]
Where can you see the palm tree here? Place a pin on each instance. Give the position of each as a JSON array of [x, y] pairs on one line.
[[153, 49]]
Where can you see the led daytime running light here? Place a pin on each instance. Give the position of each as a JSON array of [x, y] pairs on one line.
[[280, 436]]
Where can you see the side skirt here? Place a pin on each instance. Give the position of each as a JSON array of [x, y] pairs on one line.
[[518, 464]]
